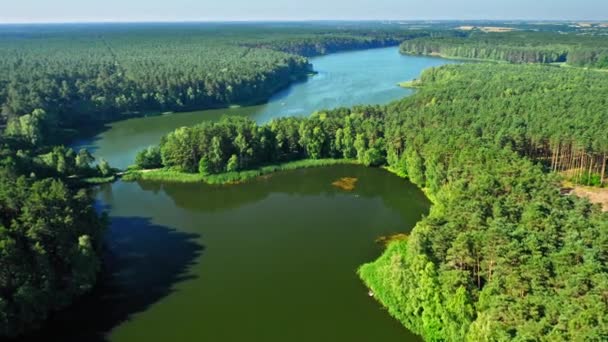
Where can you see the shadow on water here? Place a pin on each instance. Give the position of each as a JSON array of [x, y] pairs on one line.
[[142, 263], [89, 137], [285, 92]]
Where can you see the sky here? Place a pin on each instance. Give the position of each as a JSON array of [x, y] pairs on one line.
[[39, 11]]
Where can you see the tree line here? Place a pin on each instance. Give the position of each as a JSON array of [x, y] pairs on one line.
[[237, 144], [517, 47], [503, 255], [323, 43]]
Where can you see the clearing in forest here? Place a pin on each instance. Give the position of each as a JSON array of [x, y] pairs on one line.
[[595, 195]]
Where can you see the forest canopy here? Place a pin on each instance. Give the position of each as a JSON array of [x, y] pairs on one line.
[[50, 234], [517, 47]]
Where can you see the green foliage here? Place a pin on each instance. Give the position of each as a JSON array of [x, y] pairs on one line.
[[83, 159], [150, 158], [233, 164], [50, 234], [104, 168], [593, 179], [415, 166], [236, 143], [50, 241], [203, 167], [29, 128], [91, 76], [516, 47], [176, 151], [373, 157], [500, 257], [44, 162], [341, 41]]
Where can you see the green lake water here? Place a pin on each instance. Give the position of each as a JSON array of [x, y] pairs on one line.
[[273, 259]]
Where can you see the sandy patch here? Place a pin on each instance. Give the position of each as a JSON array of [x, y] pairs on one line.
[[487, 28], [595, 195], [466, 28]]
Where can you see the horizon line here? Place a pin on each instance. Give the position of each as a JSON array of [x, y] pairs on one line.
[[112, 21]]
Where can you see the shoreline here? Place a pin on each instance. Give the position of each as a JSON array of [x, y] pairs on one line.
[[228, 178], [497, 61]]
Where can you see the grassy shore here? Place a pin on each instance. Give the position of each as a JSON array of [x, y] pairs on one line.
[[455, 58], [165, 175], [378, 277]]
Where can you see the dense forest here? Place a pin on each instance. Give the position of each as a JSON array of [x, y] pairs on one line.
[[503, 254], [517, 47], [50, 234]]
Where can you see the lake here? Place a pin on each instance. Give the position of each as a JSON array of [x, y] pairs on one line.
[[273, 259]]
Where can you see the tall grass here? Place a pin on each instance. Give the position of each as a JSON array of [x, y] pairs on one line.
[[165, 175]]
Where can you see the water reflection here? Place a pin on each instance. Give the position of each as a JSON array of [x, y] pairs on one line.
[[409, 201]]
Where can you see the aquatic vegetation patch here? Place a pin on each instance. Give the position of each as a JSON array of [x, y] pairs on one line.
[[346, 183], [387, 240]]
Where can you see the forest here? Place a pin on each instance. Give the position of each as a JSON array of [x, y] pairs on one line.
[[517, 47], [50, 234], [503, 255]]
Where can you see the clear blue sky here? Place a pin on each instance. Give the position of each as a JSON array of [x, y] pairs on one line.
[[12, 11]]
